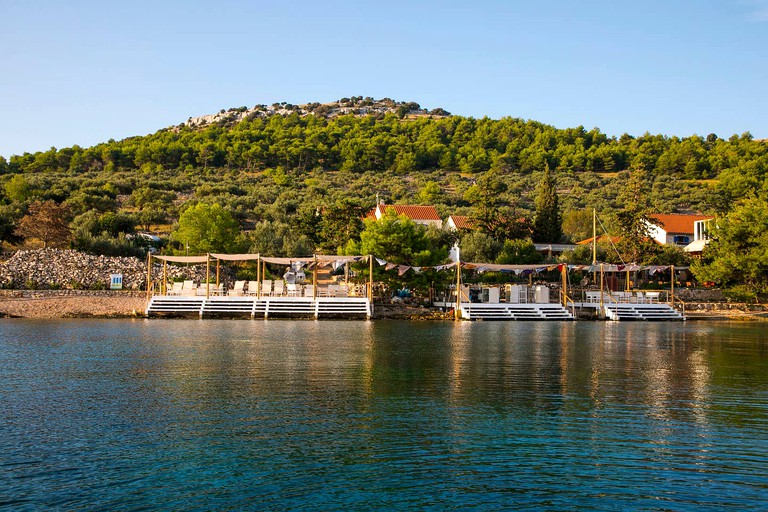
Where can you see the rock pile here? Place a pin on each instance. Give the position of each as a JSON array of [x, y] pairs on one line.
[[67, 269]]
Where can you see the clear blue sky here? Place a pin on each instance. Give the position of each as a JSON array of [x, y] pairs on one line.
[[84, 72]]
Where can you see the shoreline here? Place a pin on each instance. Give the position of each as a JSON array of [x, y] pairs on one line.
[[105, 304]]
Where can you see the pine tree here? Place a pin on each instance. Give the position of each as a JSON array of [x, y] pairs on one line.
[[633, 219], [548, 225]]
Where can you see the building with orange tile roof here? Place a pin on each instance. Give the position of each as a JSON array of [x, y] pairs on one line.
[[678, 229], [426, 215], [457, 222], [600, 239]]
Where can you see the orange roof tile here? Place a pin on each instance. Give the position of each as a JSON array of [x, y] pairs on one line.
[[462, 222], [678, 223], [416, 212], [602, 238], [411, 211]]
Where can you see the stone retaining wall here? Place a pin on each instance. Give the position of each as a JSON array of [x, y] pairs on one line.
[[46, 269], [44, 294]]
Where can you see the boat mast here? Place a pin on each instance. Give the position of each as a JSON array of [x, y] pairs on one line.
[[594, 236]]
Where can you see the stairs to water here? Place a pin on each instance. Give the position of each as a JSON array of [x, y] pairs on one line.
[[502, 311], [621, 312]]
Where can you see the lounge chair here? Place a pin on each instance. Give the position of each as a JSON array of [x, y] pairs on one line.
[[593, 297], [279, 288], [238, 290], [175, 289], [266, 287], [293, 290], [253, 288], [189, 289], [342, 290], [652, 297]]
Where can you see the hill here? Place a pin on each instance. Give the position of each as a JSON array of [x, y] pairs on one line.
[[277, 168]]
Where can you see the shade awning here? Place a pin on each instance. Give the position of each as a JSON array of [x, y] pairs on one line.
[[493, 267], [696, 245], [235, 257], [182, 259]]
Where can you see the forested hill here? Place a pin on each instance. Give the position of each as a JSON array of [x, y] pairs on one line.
[[276, 163]]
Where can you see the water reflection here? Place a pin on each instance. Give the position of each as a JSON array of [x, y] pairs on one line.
[[288, 414]]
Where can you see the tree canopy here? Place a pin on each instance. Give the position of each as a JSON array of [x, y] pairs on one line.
[[737, 256], [205, 228], [294, 183]]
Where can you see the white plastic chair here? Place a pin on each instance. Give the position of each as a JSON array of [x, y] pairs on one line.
[[175, 289], [652, 297], [238, 290]]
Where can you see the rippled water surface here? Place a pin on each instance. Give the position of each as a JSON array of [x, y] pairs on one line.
[[172, 414]]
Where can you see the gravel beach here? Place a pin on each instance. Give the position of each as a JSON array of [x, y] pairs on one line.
[[71, 307]]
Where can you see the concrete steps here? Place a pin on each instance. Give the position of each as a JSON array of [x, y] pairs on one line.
[[260, 307], [622, 312], [502, 311]]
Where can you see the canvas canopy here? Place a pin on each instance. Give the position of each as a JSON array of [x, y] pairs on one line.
[[492, 267], [182, 259], [235, 257]]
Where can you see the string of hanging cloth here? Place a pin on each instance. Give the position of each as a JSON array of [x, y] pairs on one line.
[[323, 260]]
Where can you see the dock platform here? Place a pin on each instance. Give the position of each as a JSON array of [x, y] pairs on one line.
[[261, 307]]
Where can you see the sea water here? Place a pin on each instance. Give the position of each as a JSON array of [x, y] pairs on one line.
[[360, 415]]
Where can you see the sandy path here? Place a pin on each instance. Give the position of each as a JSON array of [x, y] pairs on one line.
[[62, 307]]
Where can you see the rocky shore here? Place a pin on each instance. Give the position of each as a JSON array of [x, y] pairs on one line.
[[45, 269], [50, 283]]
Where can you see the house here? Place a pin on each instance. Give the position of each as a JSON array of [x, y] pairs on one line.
[[678, 229], [457, 222], [425, 215], [700, 238]]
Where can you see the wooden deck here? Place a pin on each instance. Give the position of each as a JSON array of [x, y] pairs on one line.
[[263, 307]]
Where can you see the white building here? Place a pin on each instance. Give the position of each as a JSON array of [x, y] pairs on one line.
[[677, 229]]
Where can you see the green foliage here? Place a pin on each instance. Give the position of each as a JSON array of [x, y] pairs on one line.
[[577, 225], [282, 170], [582, 255], [107, 245], [110, 223], [18, 188], [519, 252], [400, 240], [340, 223], [479, 247], [9, 218], [430, 194], [548, 225], [737, 255], [667, 255], [274, 238], [633, 218], [207, 228]]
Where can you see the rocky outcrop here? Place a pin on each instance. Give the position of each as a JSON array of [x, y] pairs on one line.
[[356, 105], [67, 269]]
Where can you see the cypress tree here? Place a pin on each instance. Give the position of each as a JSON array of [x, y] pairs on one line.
[[548, 225]]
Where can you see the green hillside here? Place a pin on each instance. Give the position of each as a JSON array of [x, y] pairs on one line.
[[292, 176]]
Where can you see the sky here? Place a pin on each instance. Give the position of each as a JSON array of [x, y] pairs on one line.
[[81, 72]]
